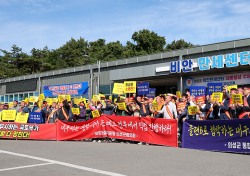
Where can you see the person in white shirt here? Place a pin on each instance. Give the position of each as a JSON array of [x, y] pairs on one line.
[[169, 109]]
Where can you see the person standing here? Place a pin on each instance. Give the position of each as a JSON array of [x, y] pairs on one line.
[[169, 109]]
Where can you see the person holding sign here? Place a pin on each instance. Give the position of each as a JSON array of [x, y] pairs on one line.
[[109, 109], [224, 106], [244, 110], [144, 107]]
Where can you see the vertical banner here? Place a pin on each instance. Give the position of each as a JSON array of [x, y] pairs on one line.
[[129, 86], [217, 135], [214, 87], [197, 90], [142, 88]]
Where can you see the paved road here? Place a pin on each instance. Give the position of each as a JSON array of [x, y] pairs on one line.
[[26, 157]]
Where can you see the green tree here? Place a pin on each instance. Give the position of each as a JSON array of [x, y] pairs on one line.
[[178, 44], [148, 42]]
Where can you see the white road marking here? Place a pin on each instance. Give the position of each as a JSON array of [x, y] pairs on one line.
[[64, 164], [21, 167]]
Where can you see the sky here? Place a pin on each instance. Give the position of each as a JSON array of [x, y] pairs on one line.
[[39, 23]]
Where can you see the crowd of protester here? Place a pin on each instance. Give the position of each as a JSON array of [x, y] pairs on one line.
[[162, 106]]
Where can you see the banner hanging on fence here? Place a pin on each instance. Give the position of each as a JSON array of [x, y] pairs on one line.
[[217, 135], [27, 131], [75, 89], [149, 130]]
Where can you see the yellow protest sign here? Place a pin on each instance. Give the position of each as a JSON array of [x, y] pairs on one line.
[[178, 94], [95, 113], [155, 105], [55, 100], [49, 101], [217, 96], [75, 111], [22, 117], [192, 110], [121, 106], [68, 97], [61, 98], [77, 101], [40, 104], [237, 98], [11, 105], [232, 86], [96, 98], [118, 88], [41, 97], [129, 86], [102, 96], [87, 106], [33, 99], [26, 100], [8, 115]]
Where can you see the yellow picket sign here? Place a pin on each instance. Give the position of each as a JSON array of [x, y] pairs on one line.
[[55, 100], [33, 99], [178, 94], [129, 86], [95, 113], [237, 98], [41, 97], [87, 106], [155, 105], [217, 96], [118, 88], [96, 98], [77, 101], [68, 97], [11, 105], [8, 114], [49, 101], [26, 100], [75, 111], [61, 98], [102, 96], [40, 104], [232, 86], [22, 117], [192, 110], [121, 106]]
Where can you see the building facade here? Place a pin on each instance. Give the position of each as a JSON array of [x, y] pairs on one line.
[[226, 62]]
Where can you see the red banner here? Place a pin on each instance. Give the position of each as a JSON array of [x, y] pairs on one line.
[[149, 130], [27, 131]]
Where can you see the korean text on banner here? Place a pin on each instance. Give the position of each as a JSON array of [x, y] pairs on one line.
[[142, 88], [9, 115], [118, 88], [217, 96], [22, 117], [217, 135], [200, 99], [214, 87], [197, 90], [237, 98], [129, 86]]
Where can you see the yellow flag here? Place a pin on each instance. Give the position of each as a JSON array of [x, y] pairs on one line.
[[41, 97], [96, 98], [77, 101], [68, 97]]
